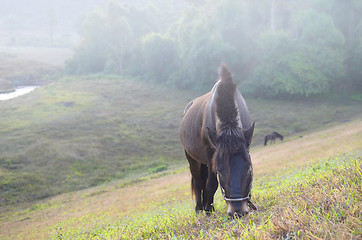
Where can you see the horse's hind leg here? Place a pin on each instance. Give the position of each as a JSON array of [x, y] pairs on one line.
[[197, 181]]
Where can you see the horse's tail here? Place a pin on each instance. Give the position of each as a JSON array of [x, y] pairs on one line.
[[225, 104], [265, 140]]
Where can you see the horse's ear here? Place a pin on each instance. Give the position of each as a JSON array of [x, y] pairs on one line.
[[212, 136], [248, 134]]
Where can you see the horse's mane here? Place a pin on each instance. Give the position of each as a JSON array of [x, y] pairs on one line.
[[230, 135], [279, 135], [225, 104]]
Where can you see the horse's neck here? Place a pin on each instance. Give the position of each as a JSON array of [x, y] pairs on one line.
[[212, 121]]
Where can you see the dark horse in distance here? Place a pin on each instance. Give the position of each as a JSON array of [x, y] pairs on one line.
[[272, 136], [216, 133]]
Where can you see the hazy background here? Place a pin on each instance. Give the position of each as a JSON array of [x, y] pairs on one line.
[[42, 22], [274, 47]]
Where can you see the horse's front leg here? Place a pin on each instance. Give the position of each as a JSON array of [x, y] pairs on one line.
[[211, 187]]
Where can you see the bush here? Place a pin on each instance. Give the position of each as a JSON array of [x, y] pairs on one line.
[[160, 56], [304, 65]]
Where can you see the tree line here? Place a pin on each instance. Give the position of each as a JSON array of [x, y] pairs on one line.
[[274, 47]]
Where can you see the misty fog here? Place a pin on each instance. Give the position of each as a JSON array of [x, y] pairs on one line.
[[275, 47]]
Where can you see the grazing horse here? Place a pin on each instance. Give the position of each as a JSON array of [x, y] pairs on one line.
[[216, 133], [272, 136]]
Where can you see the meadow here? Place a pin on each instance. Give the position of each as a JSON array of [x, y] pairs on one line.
[[307, 187], [79, 132]]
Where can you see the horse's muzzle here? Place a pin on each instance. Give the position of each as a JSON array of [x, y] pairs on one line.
[[237, 209]]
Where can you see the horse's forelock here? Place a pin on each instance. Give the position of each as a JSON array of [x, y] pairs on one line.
[[229, 142]]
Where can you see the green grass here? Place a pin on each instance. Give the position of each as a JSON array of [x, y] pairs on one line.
[[80, 132], [77, 133], [357, 97], [319, 201]]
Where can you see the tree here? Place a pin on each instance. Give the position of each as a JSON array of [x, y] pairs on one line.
[[232, 20], [160, 55], [120, 38], [347, 16], [272, 46], [203, 49], [303, 64], [144, 20], [354, 61], [91, 54]]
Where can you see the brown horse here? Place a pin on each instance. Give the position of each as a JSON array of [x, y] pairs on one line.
[[216, 133]]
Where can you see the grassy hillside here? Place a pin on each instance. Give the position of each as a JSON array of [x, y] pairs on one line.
[[322, 200], [280, 181], [80, 132], [77, 133]]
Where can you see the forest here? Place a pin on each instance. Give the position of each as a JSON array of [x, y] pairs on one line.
[[274, 47]]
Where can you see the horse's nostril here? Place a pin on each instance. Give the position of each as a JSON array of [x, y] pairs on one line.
[[237, 214], [234, 215]]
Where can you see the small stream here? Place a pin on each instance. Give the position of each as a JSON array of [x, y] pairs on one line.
[[18, 92]]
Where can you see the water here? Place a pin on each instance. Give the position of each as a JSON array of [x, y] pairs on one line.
[[18, 92]]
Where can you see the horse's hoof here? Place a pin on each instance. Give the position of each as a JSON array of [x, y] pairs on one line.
[[198, 209], [208, 213], [209, 208]]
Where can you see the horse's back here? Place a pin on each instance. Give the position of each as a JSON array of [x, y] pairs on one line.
[[192, 128]]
